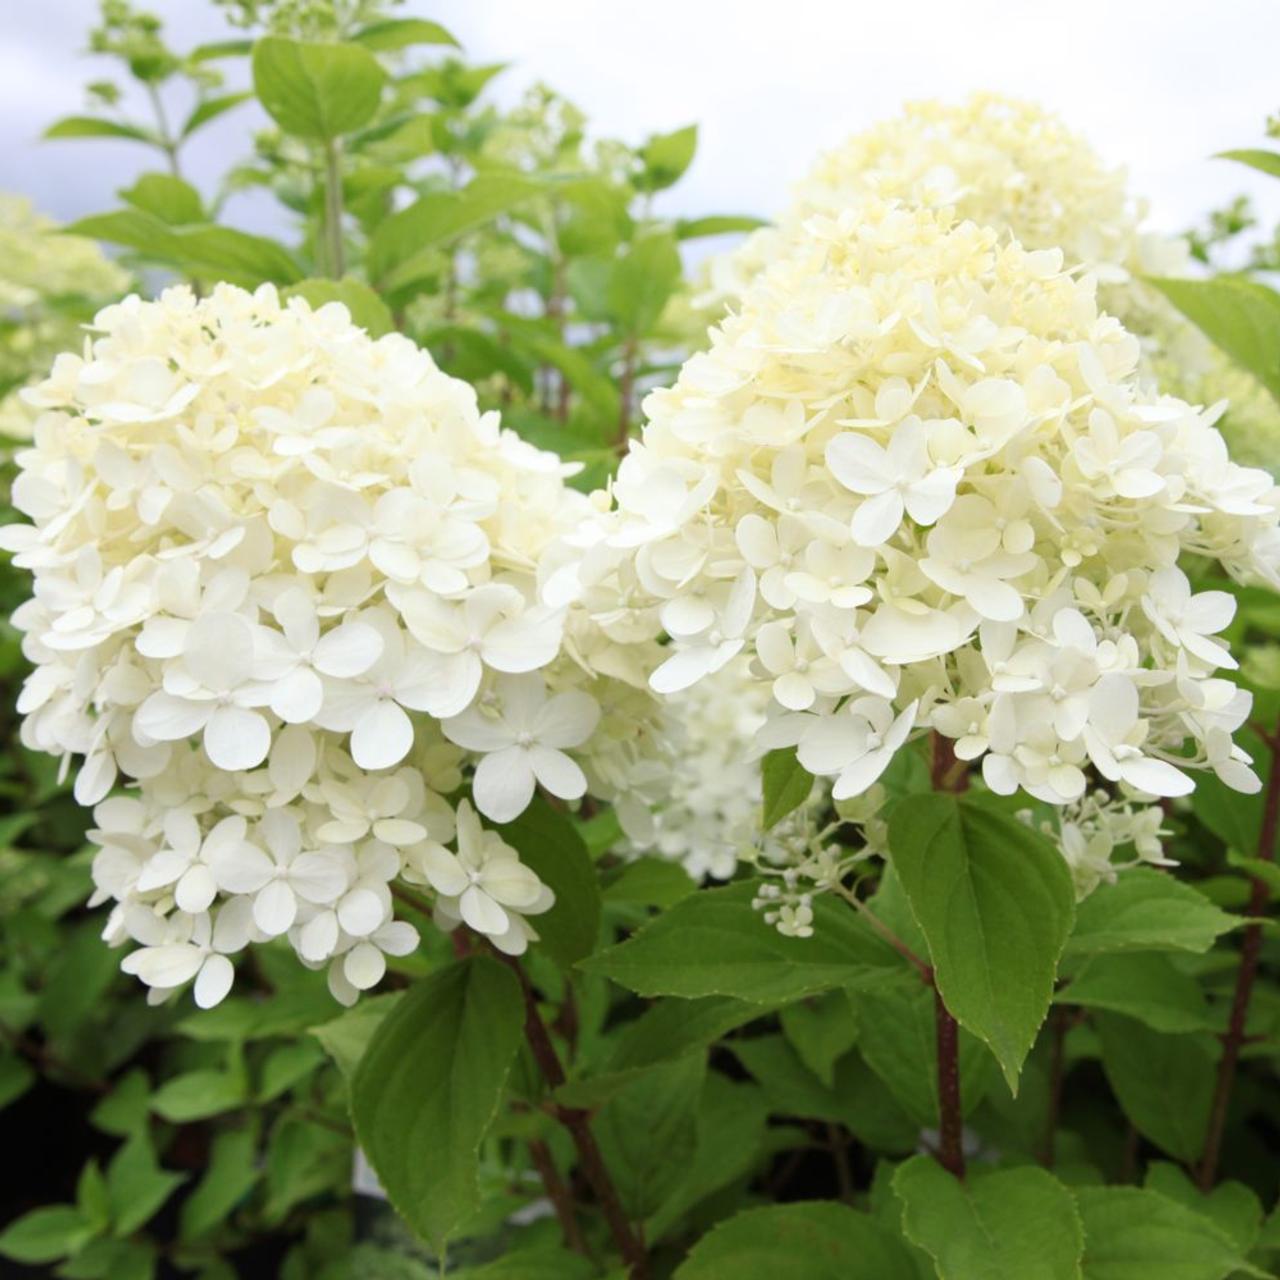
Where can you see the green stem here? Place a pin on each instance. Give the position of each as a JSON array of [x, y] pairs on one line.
[[168, 144], [333, 209]]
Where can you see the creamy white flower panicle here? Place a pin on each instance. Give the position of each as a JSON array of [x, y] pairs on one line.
[[917, 482], [292, 589], [999, 161], [706, 804]]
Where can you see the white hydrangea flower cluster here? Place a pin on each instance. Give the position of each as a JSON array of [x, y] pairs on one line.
[[706, 804], [296, 588], [917, 480], [1001, 162]]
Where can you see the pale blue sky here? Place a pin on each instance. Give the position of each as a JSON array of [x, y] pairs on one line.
[[770, 81]]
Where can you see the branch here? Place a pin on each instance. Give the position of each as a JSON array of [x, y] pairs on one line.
[[950, 1152], [578, 1124], [948, 774], [1246, 975]]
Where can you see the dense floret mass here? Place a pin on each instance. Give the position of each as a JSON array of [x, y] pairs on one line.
[[297, 593], [998, 161], [917, 480]]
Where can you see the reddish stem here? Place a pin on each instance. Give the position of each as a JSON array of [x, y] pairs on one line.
[[948, 774], [578, 1125], [1246, 975], [950, 1146]]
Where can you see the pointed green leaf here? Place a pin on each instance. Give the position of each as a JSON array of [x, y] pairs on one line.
[[46, 1234], [1015, 1224], [1163, 1082], [714, 943], [1144, 985], [211, 109], [316, 90], [666, 156], [646, 1132], [231, 1174], [1267, 162], [137, 1185], [787, 784], [549, 844], [168, 198], [429, 1085], [1146, 910], [804, 1241], [716, 225], [1134, 1234], [396, 256], [366, 308], [94, 127], [995, 901], [394, 34], [1239, 315]]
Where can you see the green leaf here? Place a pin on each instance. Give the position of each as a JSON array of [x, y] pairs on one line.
[[805, 1241], [211, 109], [713, 943], [646, 1132], [394, 34], [550, 845], [112, 1260], [396, 249], [1146, 910], [598, 216], [856, 1099], [1144, 985], [95, 127], [1239, 315], [126, 1108], [669, 1028], [286, 1065], [730, 1137], [16, 1077], [1231, 1206], [538, 1262], [230, 1176], [1015, 1224], [898, 1037], [821, 1029], [642, 280], [316, 90], [217, 49], [168, 198], [234, 256], [1267, 162], [46, 1234], [995, 901], [1164, 1083], [665, 158], [716, 225], [92, 1197], [787, 784], [137, 1185], [650, 882], [431, 1081], [1133, 1234], [346, 1037], [303, 1160], [366, 308], [595, 388], [197, 1095]]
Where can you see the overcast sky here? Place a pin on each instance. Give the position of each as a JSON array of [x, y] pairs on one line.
[[1156, 84]]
